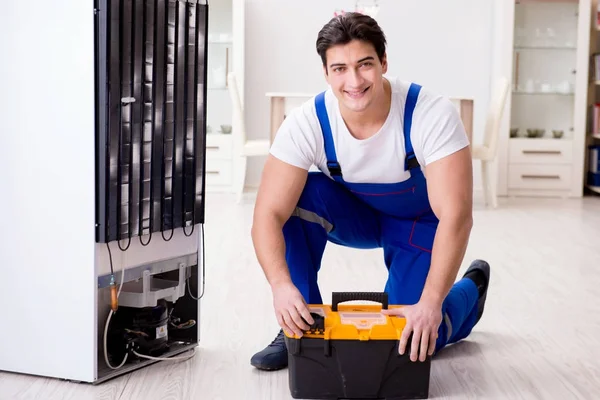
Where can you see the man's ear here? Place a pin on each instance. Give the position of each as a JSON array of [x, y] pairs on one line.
[[384, 63]]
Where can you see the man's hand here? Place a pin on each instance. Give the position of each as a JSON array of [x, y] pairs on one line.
[[290, 308], [423, 321]]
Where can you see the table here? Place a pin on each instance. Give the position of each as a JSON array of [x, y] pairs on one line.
[[465, 107]]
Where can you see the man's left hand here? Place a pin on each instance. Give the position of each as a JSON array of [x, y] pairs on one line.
[[422, 320]]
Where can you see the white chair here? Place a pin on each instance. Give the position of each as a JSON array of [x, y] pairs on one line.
[[243, 147], [487, 151]]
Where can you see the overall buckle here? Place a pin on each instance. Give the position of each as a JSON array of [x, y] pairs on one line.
[[411, 162], [334, 168]]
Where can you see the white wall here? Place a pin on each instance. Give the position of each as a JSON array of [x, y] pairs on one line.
[[445, 45]]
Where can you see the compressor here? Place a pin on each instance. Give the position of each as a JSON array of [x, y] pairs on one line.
[[143, 330]]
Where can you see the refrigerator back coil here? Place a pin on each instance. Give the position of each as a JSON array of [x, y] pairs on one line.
[[150, 117]]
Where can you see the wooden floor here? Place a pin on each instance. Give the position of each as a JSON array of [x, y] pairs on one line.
[[538, 339]]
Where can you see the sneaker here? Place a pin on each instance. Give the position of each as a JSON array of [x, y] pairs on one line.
[[479, 272], [274, 356]]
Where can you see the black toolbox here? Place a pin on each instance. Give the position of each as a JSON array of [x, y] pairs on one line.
[[351, 352]]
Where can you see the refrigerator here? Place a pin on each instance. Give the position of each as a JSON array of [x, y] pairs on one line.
[[102, 157]]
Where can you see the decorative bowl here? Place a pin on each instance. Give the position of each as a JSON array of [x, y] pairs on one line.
[[226, 128], [535, 133]]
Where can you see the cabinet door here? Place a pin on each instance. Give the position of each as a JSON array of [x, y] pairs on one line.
[[544, 68]]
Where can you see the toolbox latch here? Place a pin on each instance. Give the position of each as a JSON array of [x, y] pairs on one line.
[[319, 322]]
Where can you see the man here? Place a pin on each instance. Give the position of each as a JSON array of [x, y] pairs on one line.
[[396, 173]]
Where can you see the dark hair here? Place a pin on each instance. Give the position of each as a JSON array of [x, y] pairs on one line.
[[349, 26]]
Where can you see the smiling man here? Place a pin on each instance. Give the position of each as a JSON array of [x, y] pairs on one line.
[[395, 173]]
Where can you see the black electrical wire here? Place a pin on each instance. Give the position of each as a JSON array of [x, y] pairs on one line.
[[112, 272]]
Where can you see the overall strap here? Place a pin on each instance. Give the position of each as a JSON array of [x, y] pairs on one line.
[[332, 164], [410, 161]]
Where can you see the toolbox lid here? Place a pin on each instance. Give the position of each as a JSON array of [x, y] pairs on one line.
[[354, 322]]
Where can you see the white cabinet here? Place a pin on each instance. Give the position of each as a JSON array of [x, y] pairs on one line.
[[219, 162], [225, 54], [541, 151], [539, 177]]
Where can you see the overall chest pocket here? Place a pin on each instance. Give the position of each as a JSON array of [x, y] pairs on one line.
[[396, 203]]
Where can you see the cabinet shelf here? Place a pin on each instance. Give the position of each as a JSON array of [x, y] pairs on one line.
[[538, 93], [571, 48], [544, 1], [545, 139]]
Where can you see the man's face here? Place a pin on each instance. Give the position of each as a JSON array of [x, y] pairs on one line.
[[355, 74]]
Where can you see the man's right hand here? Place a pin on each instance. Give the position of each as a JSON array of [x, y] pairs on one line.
[[290, 308]]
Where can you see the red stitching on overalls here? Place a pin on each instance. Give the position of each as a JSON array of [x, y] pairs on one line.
[[412, 189], [411, 235]]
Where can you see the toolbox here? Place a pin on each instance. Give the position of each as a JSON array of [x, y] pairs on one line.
[[351, 352]]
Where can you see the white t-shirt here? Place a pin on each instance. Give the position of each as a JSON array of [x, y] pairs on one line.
[[437, 131]]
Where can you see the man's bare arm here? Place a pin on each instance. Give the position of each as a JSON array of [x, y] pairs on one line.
[[278, 194], [279, 191], [450, 188]]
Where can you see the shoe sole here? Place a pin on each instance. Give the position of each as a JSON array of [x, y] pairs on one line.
[[484, 267], [268, 368]]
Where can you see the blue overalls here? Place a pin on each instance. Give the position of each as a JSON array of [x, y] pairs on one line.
[[396, 217]]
